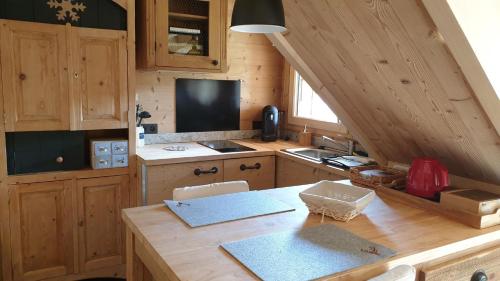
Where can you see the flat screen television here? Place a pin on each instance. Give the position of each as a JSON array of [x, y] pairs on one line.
[[207, 105]]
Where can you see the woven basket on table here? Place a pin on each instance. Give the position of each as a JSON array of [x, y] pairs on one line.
[[339, 201]]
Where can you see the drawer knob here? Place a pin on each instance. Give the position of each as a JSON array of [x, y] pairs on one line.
[[479, 275], [103, 149], [104, 162], [244, 167], [60, 160], [199, 172], [215, 62]]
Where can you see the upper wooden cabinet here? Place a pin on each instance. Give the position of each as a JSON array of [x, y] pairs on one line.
[[34, 64], [182, 34], [99, 66], [41, 218], [63, 78]]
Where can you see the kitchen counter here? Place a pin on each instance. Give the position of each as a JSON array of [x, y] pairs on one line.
[[151, 155], [171, 250]]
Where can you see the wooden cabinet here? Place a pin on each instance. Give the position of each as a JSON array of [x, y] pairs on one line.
[[35, 76], [182, 34], [48, 86], [257, 171], [99, 79], [160, 181], [290, 172], [42, 221], [100, 201]]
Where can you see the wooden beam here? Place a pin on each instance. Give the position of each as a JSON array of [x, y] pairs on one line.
[[280, 42], [459, 46], [122, 3]]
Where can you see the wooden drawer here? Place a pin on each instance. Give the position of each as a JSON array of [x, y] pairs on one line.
[[259, 172], [162, 180], [463, 268]]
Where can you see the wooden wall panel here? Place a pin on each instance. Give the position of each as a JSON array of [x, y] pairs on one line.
[[251, 58], [386, 66]]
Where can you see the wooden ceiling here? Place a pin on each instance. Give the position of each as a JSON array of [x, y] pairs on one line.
[[385, 69]]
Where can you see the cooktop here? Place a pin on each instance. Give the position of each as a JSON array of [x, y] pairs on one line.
[[225, 146]]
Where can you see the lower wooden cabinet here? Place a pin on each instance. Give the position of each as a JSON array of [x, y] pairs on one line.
[[101, 240], [42, 220], [161, 180], [67, 227], [290, 173], [257, 171]]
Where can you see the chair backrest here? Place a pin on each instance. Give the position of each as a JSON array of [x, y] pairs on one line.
[[192, 192], [399, 273]]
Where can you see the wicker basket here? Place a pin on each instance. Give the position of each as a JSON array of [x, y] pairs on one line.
[[339, 201], [373, 176]]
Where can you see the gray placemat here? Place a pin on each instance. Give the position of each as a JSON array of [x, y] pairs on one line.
[[306, 254], [228, 207]]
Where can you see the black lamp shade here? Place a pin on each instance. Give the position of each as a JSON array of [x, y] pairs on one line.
[[258, 16]]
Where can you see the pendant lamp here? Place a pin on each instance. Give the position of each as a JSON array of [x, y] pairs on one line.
[[258, 16]]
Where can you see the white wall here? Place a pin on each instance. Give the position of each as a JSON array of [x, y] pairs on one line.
[[480, 21]]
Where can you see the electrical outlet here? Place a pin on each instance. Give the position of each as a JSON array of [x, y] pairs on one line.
[[150, 129]]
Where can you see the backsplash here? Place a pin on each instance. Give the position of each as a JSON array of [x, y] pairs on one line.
[[202, 136]]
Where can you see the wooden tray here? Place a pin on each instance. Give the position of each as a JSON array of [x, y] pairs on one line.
[[476, 221], [373, 176], [476, 202]]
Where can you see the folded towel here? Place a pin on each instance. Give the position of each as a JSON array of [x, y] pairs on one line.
[[399, 273], [213, 189]]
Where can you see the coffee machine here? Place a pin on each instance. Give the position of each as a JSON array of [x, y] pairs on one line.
[[270, 123]]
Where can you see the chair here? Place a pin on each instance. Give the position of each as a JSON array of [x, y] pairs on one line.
[[192, 192], [399, 273]]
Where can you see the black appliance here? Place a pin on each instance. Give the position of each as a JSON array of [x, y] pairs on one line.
[[225, 146], [32, 152], [207, 105], [270, 121]]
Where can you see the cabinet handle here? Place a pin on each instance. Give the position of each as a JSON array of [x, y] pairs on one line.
[[199, 172], [479, 275], [215, 62], [80, 223], [22, 76], [76, 75], [60, 160], [244, 167]]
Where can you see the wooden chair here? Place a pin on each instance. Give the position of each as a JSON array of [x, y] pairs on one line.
[[399, 273], [192, 192]]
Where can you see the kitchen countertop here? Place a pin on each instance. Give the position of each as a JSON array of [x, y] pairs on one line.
[[151, 155], [172, 250]]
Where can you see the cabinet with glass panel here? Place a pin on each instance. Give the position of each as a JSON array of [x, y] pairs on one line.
[[182, 34]]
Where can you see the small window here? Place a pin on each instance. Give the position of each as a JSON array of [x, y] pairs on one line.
[[309, 105], [306, 107]]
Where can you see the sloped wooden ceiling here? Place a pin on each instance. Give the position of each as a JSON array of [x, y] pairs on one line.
[[386, 71]]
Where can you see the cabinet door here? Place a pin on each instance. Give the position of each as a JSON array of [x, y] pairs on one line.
[[191, 34], [99, 82], [42, 224], [101, 242], [291, 173], [257, 171], [35, 76], [162, 180]]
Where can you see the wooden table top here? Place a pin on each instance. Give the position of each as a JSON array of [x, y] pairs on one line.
[[194, 254]]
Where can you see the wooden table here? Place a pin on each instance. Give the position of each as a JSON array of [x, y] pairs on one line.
[[171, 250]]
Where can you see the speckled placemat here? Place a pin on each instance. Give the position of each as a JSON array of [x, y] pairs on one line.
[[306, 254], [228, 207]]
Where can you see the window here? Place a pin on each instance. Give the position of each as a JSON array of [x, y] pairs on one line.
[[307, 108]]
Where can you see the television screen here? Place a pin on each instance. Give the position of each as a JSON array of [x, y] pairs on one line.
[[207, 105]]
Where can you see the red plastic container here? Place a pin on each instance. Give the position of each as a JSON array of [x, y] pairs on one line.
[[426, 178]]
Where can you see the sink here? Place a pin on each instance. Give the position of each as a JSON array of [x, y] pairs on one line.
[[313, 153]]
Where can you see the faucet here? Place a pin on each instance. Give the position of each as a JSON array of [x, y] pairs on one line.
[[349, 148]]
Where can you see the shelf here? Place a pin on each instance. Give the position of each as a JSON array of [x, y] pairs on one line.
[[187, 16]]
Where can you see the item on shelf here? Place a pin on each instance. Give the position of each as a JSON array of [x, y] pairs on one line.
[[472, 201], [373, 176], [109, 153], [336, 200], [426, 178], [140, 136]]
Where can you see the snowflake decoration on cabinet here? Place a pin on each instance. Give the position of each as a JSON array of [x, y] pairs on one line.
[[67, 9]]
